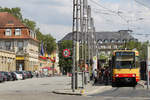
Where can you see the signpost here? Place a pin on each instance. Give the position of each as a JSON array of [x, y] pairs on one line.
[[66, 52]]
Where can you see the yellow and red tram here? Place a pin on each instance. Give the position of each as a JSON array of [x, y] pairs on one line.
[[125, 67]]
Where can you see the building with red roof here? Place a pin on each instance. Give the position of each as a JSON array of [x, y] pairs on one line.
[[16, 37]]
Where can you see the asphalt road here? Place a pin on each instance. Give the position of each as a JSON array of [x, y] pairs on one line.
[[125, 93], [41, 89]]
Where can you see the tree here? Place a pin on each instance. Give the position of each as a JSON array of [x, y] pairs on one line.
[[65, 63], [139, 46], [49, 43], [14, 11], [30, 24]]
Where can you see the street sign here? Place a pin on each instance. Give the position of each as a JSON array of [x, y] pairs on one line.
[[66, 52]]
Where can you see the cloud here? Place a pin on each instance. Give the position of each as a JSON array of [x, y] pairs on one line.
[[55, 16], [133, 16], [57, 31]]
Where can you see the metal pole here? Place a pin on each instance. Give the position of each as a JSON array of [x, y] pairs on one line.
[[82, 35], [85, 27], [148, 56], [88, 32], [74, 48]]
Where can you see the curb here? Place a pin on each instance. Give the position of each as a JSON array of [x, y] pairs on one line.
[[97, 90], [67, 93]]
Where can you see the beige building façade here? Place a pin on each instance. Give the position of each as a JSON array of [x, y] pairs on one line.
[[7, 60]]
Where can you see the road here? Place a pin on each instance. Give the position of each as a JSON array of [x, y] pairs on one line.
[[125, 93], [41, 89]]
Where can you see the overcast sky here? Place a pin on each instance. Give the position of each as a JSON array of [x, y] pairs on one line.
[[55, 16]]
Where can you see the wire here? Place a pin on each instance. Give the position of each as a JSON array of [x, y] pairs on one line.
[[114, 12], [141, 4], [102, 6]]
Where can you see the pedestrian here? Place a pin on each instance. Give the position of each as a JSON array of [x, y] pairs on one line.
[[37, 74], [95, 76], [100, 76], [107, 73]]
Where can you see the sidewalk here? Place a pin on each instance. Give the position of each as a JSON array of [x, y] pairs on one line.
[[89, 89], [142, 83]]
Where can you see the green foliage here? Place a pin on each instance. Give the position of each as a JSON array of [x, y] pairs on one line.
[[50, 43], [102, 56], [139, 46], [65, 63], [14, 11], [30, 24]]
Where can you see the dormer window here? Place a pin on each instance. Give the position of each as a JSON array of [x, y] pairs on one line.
[[100, 41], [112, 41], [106, 41], [17, 32], [8, 32]]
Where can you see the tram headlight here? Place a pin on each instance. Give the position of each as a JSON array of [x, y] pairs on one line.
[[116, 75], [133, 75]]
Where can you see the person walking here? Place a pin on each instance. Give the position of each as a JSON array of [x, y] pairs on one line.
[[95, 76]]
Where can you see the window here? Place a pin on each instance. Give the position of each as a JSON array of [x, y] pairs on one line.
[[112, 40], [106, 41], [2, 59], [1, 45], [109, 47], [124, 41], [32, 34], [20, 45], [115, 46], [118, 41], [8, 32], [8, 45], [17, 32], [100, 42]]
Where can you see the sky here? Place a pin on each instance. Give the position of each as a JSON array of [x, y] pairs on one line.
[[55, 16]]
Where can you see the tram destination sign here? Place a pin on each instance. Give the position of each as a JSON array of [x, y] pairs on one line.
[[125, 53]]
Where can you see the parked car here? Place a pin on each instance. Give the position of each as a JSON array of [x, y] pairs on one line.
[[10, 77], [6, 75], [24, 75], [27, 75], [18, 75], [31, 74], [1, 77], [14, 77]]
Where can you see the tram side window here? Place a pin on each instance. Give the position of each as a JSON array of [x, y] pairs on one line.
[[137, 63]]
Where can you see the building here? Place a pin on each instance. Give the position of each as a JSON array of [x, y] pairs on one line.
[[16, 37], [108, 41], [7, 60]]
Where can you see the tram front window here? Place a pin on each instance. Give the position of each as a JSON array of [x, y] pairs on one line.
[[124, 64]]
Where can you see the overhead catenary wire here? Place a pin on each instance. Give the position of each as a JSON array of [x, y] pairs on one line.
[[141, 4], [111, 11]]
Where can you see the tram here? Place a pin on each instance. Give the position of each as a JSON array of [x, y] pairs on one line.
[[125, 67]]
